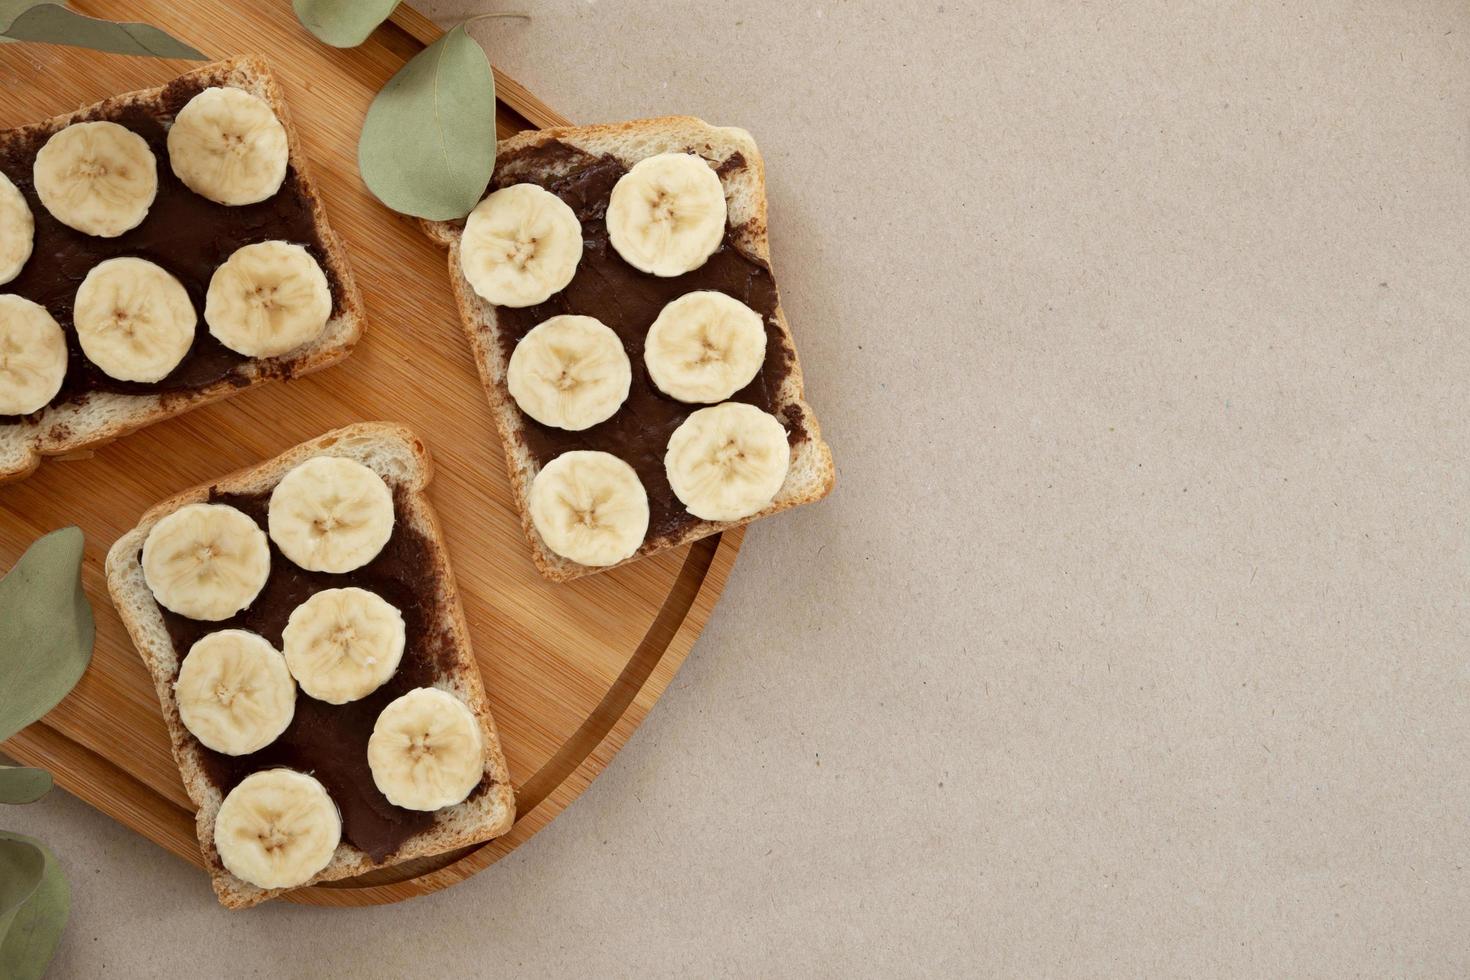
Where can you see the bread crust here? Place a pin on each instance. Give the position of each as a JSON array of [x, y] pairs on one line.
[[812, 474], [105, 416], [400, 457]]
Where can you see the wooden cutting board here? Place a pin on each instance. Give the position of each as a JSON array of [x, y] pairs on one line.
[[571, 669]]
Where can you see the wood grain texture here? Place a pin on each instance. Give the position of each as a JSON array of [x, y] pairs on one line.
[[570, 670]]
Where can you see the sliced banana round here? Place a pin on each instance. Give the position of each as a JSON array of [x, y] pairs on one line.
[[277, 828], [234, 692], [206, 561], [343, 644], [133, 319], [227, 145], [267, 299], [570, 372], [17, 230], [667, 214], [97, 177], [727, 461], [704, 347], [589, 507], [32, 356], [331, 514], [426, 750], [520, 245]]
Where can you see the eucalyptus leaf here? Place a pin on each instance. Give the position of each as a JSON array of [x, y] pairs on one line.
[[46, 629], [52, 23], [428, 143], [28, 938], [22, 784], [11, 9], [342, 23], [22, 866]]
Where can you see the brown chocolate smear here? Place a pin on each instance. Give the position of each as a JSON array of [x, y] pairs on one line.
[[188, 235], [731, 164], [330, 740], [628, 301]]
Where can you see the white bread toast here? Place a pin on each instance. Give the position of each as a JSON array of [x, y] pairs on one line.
[[398, 456], [742, 173], [101, 416]]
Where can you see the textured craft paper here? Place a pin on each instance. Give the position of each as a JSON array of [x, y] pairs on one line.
[[1133, 641]]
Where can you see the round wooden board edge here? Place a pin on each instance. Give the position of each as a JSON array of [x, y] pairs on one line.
[[561, 779], [593, 754]]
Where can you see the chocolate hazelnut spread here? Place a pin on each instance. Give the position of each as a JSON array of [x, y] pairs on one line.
[[186, 234], [628, 301], [329, 741]]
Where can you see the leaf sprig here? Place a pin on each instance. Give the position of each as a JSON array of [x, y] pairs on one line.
[[54, 23], [428, 143], [46, 629], [35, 902], [427, 147], [343, 23], [46, 636]]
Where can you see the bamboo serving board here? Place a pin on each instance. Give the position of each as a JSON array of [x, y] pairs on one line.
[[571, 669]]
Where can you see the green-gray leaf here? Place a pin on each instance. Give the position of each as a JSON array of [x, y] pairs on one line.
[[51, 23], [11, 9], [428, 144], [22, 866], [342, 23], [30, 931], [46, 629], [21, 784]]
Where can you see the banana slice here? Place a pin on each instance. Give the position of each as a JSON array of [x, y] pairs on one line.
[[277, 829], [667, 214], [32, 356], [426, 750], [727, 461], [520, 245], [704, 347], [17, 230], [206, 561], [343, 644], [570, 372], [589, 507], [228, 146], [267, 299], [133, 319], [234, 692], [97, 177], [331, 514]]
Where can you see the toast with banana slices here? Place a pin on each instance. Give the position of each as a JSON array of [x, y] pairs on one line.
[[616, 289], [311, 658], [110, 292]]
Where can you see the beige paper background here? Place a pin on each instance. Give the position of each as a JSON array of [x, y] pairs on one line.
[[1133, 641]]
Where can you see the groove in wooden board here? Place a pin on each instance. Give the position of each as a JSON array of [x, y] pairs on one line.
[[84, 775], [639, 667], [614, 704], [562, 794], [560, 662]]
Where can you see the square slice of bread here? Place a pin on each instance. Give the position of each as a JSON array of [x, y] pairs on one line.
[[100, 417], [400, 458], [741, 171]]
